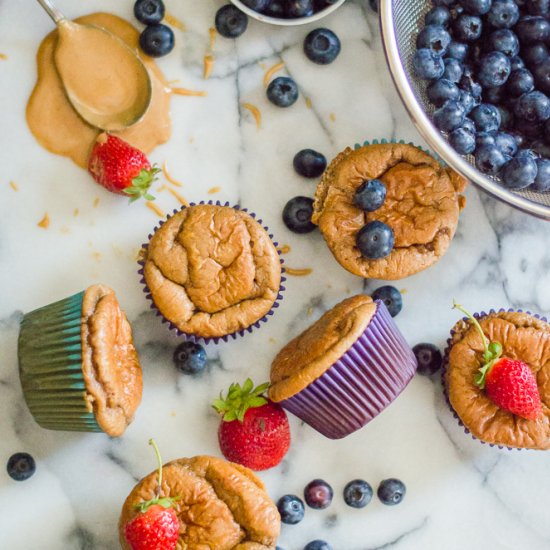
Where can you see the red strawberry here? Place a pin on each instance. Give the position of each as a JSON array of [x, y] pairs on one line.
[[121, 168], [156, 527], [509, 383], [253, 432]]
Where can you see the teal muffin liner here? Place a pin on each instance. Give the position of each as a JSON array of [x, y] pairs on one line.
[[50, 366], [400, 142]]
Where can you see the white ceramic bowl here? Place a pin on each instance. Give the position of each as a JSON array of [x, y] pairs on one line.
[[287, 22]]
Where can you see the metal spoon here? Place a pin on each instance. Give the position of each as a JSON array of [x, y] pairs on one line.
[[109, 96]]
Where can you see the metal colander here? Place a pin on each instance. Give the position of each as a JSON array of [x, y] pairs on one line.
[[401, 21]]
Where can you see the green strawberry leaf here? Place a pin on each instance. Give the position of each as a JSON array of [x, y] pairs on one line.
[[239, 399], [141, 184]]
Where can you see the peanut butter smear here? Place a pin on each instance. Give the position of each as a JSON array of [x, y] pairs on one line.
[[104, 79], [55, 123]]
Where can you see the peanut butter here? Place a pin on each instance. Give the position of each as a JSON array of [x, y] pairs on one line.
[[55, 123]]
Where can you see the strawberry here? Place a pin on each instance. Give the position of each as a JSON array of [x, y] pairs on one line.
[[121, 168], [509, 383], [253, 432], [156, 527]]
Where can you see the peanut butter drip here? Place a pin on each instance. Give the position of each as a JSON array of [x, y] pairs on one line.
[[57, 126]]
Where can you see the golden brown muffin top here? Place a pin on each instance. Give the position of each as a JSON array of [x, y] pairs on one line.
[[221, 505], [524, 338], [310, 354], [110, 364], [421, 207], [212, 270]]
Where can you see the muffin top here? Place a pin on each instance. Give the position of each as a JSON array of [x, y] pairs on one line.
[[310, 354], [523, 338], [421, 207], [110, 364], [212, 270], [221, 505]]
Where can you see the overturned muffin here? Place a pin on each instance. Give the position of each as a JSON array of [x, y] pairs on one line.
[[219, 505], [418, 213], [212, 270]]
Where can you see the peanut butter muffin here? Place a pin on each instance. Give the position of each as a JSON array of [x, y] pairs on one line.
[[523, 338], [219, 505], [212, 271], [344, 369], [409, 224], [78, 365]]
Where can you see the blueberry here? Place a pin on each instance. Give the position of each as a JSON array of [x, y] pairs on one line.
[[291, 509], [538, 7], [485, 138], [391, 297], [438, 15], [190, 358], [531, 29], [282, 91], [476, 7], [428, 357], [309, 163], [506, 118], [370, 195], [428, 65], [449, 116], [322, 46], [230, 21], [529, 130], [357, 493], [391, 491], [297, 215], [467, 28], [489, 159], [469, 126], [504, 14], [534, 54], [542, 76], [516, 63], [494, 95], [157, 40], [453, 70], [276, 8], [462, 141], [317, 545], [547, 130], [533, 107], [149, 12], [541, 148], [299, 8], [469, 84], [318, 494], [457, 50], [486, 117], [520, 82], [542, 181], [435, 38], [375, 240], [468, 101], [505, 41], [494, 69], [21, 466], [520, 172], [441, 91], [506, 144], [256, 5]]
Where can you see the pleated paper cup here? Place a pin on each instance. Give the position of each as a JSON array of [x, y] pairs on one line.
[[50, 366], [367, 378]]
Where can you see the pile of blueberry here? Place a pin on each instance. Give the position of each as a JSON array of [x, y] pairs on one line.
[[157, 39], [288, 9], [488, 64], [318, 495]]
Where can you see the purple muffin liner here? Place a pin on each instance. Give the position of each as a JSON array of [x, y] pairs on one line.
[[478, 316], [233, 335], [361, 384]]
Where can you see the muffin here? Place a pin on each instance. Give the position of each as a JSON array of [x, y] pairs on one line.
[[421, 208], [220, 505], [212, 271], [345, 369], [523, 337], [78, 365]]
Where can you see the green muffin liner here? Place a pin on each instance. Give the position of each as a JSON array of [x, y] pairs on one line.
[[50, 366], [401, 142]]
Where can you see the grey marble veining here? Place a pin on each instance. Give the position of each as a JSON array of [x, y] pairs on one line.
[[461, 494]]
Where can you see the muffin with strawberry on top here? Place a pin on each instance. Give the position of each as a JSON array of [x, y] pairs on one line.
[[497, 378]]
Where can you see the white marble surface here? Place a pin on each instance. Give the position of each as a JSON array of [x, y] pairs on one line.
[[461, 495]]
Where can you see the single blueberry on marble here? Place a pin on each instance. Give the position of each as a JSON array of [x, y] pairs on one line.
[[318, 545], [322, 46], [370, 195], [391, 491], [282, 91], [428, 357], [318, 494], [391, 297], [230, 21], [21, 466], [157, 40], [358, 493], [309, 163], [291, 508], [190, 358], [375, 240], [297, 215], [149, 12]]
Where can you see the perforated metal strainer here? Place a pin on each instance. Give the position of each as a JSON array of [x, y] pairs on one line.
[[400, 21]]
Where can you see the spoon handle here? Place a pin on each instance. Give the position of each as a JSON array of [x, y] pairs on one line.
[[52, 11]]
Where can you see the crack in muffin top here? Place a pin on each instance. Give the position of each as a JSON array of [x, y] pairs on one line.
[[524, 338], [422, 205], [212, 270]]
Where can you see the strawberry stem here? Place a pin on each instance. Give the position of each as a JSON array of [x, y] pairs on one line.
[[153, 443]]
